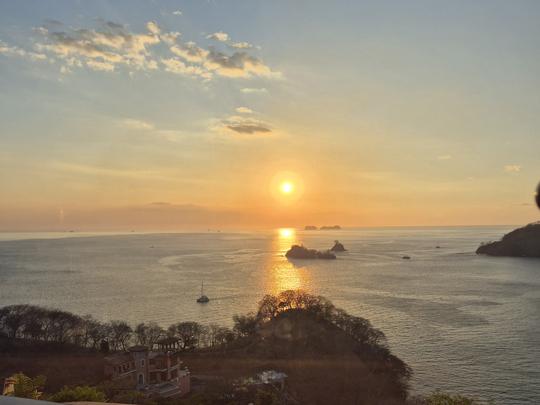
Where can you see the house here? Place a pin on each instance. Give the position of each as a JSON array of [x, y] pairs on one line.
[[156, 372], [9, 386]]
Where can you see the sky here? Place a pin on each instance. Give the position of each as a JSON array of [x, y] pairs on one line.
[[162, 115]]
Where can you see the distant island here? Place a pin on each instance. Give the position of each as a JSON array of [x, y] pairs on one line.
[[302, 252], [322, 228], [330, 228], [521, 242]]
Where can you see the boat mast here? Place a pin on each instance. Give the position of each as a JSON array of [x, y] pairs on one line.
[[202, 288]]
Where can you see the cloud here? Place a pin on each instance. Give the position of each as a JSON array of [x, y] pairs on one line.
[[106, 171], [153, 27], [112, 46], [241, 45], [174, 65], [244, 110], [177, 12], [102, 49], [136, 124], [170, 37], [171, 135], [246, 126], [224, 37], [444, 157], [16, 51], [190, 52], [219, 36], [512, 168], [238, 64], [97, 65], [250, 90]]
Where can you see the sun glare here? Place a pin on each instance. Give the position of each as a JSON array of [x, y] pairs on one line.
[[286, 233], [287, 187]]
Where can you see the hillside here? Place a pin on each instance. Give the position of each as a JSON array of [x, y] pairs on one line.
[[323, 362], [521, 242]]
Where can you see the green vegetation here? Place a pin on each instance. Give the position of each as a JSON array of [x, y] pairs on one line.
[[82, 393], [53, 328], [26, 387]]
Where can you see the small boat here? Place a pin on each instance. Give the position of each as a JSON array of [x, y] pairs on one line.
[[203, 299], [406, 257]]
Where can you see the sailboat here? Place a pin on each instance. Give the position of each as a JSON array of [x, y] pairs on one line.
[[203, 299]]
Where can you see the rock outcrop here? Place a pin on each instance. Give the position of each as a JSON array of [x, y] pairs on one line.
[[522, 242], [338, 247], [301, 252]]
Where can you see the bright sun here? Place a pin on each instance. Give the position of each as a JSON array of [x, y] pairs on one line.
[[287, 187]]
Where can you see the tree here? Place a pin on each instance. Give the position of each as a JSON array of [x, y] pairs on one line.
[[245, 325], [27, 387], [63, 325], [120, 334], [94, 332], [218, 335], [148, 334], [12, 319], [80, 393], [189, 334], [268, 308]]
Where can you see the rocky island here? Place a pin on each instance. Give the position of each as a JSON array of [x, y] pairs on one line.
[[521, 242], [330, 228], [310, 228], [301, 252], [338, 247]]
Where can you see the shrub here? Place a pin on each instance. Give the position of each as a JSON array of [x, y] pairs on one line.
[[80, 393]]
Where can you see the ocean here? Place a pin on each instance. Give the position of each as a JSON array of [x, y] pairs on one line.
[[465, 323]]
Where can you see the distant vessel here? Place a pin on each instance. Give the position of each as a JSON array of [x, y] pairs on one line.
[[203, 299]]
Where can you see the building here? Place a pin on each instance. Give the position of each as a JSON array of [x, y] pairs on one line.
[[9, 386], [155, 372]]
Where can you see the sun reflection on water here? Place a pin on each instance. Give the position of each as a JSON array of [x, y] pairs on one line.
[[282, 274]]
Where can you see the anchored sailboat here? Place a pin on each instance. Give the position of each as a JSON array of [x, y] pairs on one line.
[[203, 299]]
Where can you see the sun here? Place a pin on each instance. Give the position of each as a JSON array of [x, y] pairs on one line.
[[286, 187]]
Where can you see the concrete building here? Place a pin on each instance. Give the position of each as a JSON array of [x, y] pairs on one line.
[[155, 372]]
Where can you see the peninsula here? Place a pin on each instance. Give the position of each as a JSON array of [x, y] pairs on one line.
[[521, 242]]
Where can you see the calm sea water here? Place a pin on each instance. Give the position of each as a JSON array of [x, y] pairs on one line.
[[464, 323]]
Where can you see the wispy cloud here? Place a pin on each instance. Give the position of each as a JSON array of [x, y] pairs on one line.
[[251, 90], [177, 12], [151, 129], [444, 157], [136, 124], [241, 45], [16, 51], [245, 126], [219, 36], [244, 110], [512, 168], [106, 171]]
